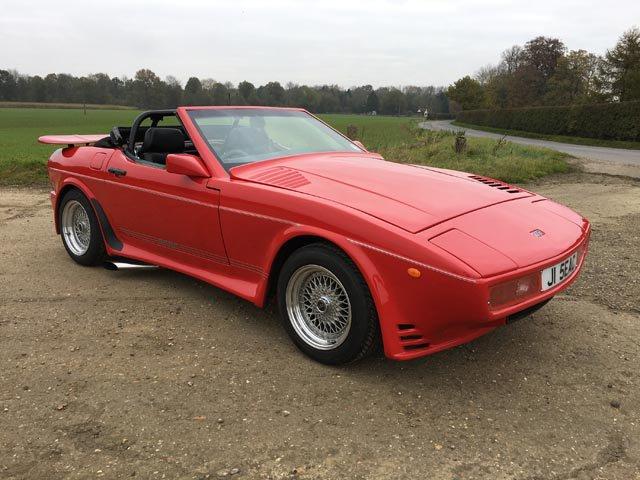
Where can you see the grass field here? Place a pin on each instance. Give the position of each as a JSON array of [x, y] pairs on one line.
[[22, 159]]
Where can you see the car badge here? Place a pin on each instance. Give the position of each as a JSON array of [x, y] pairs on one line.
[[537, 233]]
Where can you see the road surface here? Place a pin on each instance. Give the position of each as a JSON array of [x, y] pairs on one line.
[[597, 154]]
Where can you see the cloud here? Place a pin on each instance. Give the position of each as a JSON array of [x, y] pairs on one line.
[[380, 42]]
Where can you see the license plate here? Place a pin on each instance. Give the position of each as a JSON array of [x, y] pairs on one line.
[[559, 272]]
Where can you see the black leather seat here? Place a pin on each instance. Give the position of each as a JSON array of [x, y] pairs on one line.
[[158, 142]]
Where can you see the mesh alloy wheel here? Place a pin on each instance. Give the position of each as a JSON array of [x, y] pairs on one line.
[[76, 228], [318, 306]]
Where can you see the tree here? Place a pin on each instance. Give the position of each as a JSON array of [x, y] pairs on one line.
[[620, 70], [38, 89], [392, 101], [173, 91], [271, 94], [511, 59], [246, 91], [373, 104], [147, 89], [303, 97], [574, 80], [543, 53], [220, 94], [193, 94], [496, 90], [357, 98], [540, 58], [467, 92], [8, 85]]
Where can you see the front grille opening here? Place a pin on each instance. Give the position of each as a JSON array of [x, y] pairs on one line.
[[405, 326], [410, 337], [418, 346]]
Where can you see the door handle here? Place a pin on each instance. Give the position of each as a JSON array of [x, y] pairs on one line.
[[117, 172]]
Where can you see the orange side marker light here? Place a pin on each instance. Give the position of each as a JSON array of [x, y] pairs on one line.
[[414, 272]]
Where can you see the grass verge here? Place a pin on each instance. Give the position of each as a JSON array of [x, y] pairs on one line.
[[592, 142], [23, 159]]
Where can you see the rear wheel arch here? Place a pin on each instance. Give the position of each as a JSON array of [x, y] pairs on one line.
[[106, 230], [66, 188]]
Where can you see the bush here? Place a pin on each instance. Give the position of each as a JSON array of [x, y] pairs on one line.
[[612, 121]]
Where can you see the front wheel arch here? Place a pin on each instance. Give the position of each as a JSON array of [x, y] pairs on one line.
[[284, 252]]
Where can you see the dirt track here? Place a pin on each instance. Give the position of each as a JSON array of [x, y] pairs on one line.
[[154, 375]]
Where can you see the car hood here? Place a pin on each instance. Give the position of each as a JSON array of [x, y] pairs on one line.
[[510, 235], [407, 196]]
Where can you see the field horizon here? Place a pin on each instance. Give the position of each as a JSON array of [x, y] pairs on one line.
[[23, 159]]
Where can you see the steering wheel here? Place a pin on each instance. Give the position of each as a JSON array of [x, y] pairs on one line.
[[235, 153]]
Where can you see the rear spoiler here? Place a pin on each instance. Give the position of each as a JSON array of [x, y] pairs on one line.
[[71, 140]]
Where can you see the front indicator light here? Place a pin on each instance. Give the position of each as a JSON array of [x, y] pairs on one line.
[[414, 272], [513, 291]]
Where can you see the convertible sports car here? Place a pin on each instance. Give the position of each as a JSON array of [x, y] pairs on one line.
[[358, 250]]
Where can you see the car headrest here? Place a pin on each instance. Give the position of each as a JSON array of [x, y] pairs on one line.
[[163, 140]]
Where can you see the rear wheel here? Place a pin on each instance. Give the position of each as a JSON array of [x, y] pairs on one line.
[[326, 306], [80, 230]]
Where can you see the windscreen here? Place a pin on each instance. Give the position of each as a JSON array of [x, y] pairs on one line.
[[243, 135]]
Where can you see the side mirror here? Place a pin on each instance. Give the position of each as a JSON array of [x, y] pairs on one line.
[[185, 164], [359, 143]]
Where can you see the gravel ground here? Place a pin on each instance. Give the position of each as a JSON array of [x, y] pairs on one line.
[[151, 374]]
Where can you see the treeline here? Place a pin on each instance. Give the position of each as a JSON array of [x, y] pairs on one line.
[[543, 72], [609, 121], [147, 90]]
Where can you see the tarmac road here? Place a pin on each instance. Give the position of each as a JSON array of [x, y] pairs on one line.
[[151, 374]]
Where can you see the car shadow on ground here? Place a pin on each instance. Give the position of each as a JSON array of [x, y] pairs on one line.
[[480, 363]]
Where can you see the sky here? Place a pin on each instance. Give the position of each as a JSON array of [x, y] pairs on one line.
[[343, 42]]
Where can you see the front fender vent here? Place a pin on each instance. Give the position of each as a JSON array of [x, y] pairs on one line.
[[411, 338], [490, 182]]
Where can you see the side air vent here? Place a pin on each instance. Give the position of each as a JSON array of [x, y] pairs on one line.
[[411, 338], [281, 177], [495, 184]]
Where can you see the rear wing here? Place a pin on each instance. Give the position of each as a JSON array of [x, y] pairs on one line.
[[71, 140]]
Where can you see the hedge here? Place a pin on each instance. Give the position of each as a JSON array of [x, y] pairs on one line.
[[613, 121]]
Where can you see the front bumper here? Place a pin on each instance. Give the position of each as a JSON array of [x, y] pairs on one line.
[[438, 312]]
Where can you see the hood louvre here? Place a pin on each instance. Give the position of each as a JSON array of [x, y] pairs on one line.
[[490, 182]]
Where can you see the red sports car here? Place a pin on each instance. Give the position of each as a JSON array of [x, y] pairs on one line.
[[358, 250]]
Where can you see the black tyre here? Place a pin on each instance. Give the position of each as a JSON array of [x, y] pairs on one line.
[[80, 230], [326, 306]]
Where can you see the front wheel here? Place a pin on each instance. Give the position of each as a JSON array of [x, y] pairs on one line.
[[80, 230], [326, 306]]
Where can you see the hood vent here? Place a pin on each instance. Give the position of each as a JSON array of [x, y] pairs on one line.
[[495, 184], [280, 177]]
